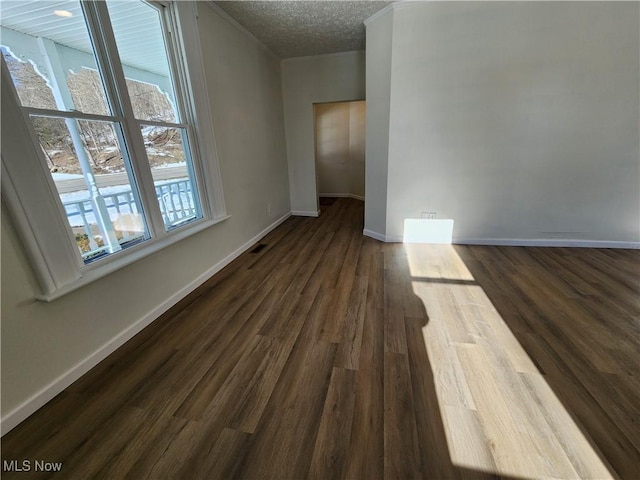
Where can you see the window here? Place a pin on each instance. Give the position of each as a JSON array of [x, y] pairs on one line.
[[113, 98]]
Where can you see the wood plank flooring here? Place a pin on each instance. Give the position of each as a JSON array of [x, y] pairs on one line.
[[329, 355]]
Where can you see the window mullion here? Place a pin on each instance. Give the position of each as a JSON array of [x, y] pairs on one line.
[[43, 112], [99, 25]]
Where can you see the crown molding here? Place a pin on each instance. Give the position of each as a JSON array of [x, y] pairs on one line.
[[212, 5], [322, 55], [379, 14]]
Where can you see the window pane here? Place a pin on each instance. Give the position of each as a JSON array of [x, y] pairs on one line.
[[93, 182], [172, 174], [50, 57], [138, 31], [32, 87]]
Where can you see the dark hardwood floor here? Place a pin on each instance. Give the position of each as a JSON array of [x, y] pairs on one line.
[[330, 355]]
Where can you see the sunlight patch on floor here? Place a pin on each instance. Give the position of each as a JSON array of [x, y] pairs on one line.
[[499, 413]]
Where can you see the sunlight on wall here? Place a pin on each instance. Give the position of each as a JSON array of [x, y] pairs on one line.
[[421, 230], [498, 411]]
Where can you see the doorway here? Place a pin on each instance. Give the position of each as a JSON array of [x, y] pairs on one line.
[[340, 149]]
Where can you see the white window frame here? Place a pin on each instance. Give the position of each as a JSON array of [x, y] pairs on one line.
[[31, 195]]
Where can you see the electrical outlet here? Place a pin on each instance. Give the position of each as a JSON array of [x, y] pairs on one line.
[[424, 215], [432, 215]]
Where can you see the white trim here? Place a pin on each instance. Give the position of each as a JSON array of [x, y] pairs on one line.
[[341, 195], [39, 399], [322, 55], [375, 235], [197, 91], [32, 243], [394, 239], [304, 213], [153, 123], [32, 194], [394, 6], [378, 14], [73, 114], [235, 23], [94, 271], [518, 242], [526, 242], [40, 218]]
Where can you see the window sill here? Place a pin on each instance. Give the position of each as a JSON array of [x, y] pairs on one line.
[[96, 271]]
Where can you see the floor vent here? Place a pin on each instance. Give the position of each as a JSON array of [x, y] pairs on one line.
[[258, 247]]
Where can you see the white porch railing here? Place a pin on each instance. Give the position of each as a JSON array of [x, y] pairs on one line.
[[174, 197], [176, 202]]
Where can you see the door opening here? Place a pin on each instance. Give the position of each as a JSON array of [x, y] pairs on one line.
[[339, 150]]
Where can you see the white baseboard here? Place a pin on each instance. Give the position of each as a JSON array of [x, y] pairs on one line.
[[38, 400], [394, 239], [518, 242], [342, 195], [556, 242], [381, 237], [303, 213], [374, 235]]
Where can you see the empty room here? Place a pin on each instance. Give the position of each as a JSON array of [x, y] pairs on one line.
[[320, 239]]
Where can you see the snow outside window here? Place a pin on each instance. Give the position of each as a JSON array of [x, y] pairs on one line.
[[108, 97]]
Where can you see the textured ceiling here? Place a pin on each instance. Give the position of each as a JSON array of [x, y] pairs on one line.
[[298, 28]]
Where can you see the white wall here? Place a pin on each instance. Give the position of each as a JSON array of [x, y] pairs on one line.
[[305, 81], [339, 142], [379, 43], [43, 341], [519, 120]]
